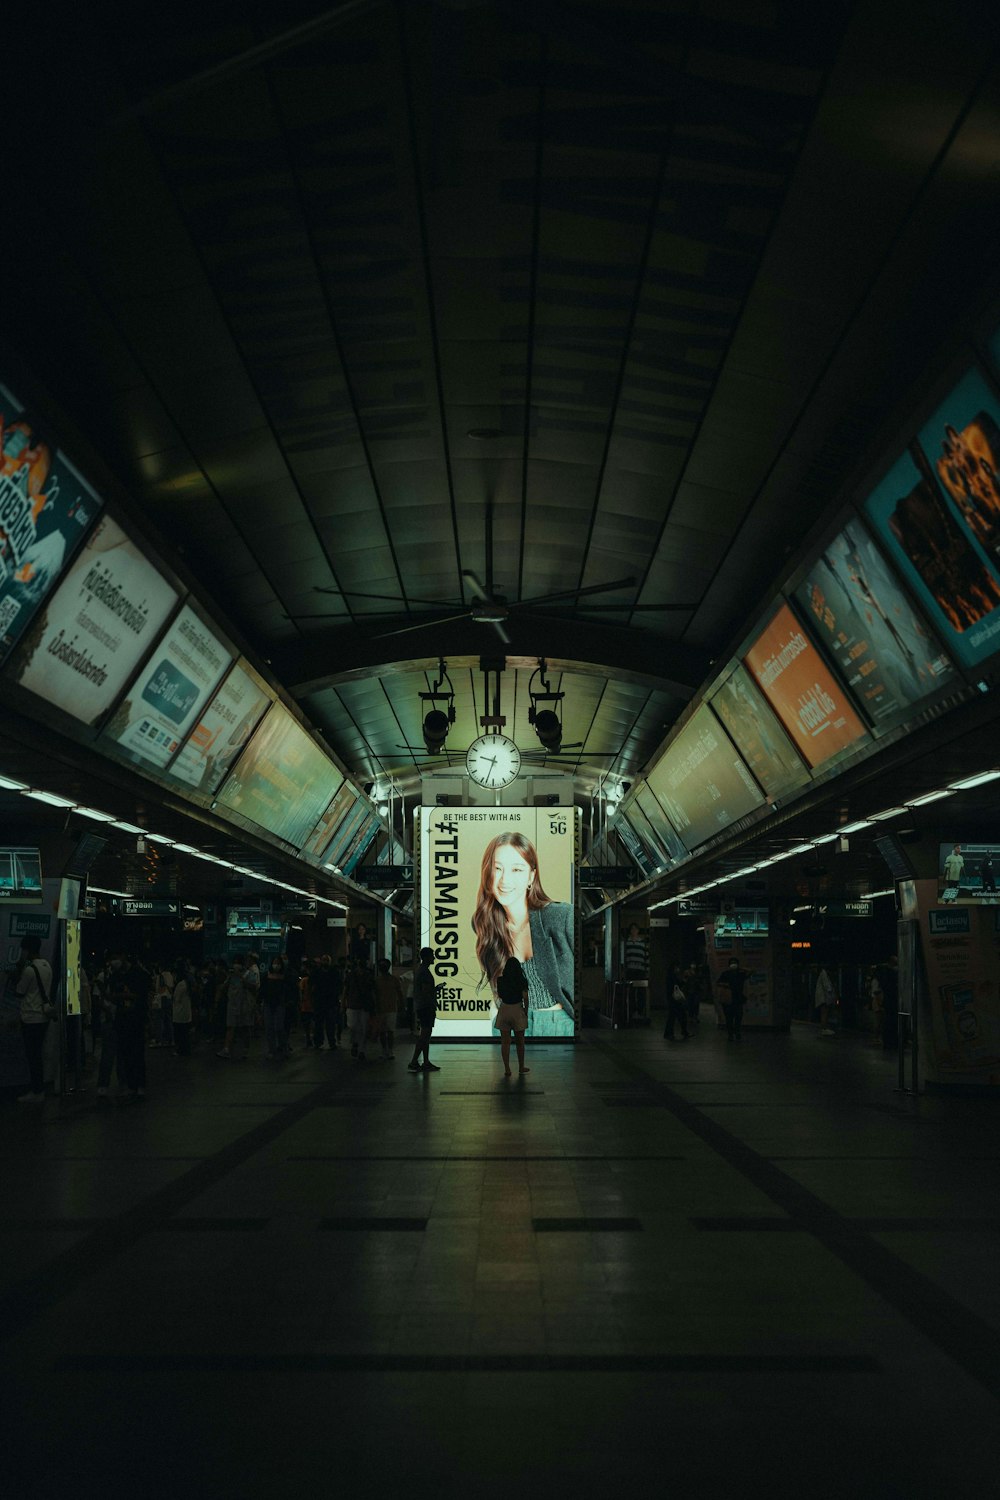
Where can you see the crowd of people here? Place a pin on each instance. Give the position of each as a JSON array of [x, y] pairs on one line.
[[239, 1006]]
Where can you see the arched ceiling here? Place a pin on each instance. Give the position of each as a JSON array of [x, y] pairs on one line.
[[356, 301]]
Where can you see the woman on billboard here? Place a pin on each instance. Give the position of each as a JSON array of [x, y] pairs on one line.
[[514, 918]]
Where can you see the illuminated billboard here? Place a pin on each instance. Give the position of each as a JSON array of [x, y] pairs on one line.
[[967, 873], [808, 700], [883, 651], [666, 836], [162, 703], [282, 781], [758, 735], [640, 849], [701, 781], [316, 844], [222, 730], [938, 510], [495, 882], [352, 816], [92, 634], [20, 875], [46, 510]]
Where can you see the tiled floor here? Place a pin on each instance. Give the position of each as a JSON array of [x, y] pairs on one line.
[[751, 1269]]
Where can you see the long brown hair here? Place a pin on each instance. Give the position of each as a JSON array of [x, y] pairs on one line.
[[489, 919]]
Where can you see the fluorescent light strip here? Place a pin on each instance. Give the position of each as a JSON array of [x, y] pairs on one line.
[[890, 812], [101, 890], [50, 798], [7, 785], [93, 812], [128, 827], [946, 791], [852, 827], [971, 781]]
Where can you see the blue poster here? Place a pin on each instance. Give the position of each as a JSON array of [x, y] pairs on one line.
[[936, 554], [46, 510]]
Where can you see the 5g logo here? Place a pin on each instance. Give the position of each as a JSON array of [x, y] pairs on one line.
[[557, 825]]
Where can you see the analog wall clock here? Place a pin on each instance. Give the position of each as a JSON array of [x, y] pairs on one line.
[[492, 761]]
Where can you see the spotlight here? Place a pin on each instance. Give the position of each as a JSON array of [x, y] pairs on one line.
[[437, 721], [546, 722]]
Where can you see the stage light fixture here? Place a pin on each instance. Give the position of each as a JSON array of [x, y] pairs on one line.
[[546, 723], [438, 721]]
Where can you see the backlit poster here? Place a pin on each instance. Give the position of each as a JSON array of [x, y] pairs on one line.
[[90, 636], [883, 652], [935, 551], [162, 704], [701, 782], [758, 736], [354, 815], [661, 825], [362, 840], [46, 510], [962, 445], [639, 851], [316, 844], [967, 873], [494, 882], [282, 781], [803, 693], [222, 730]]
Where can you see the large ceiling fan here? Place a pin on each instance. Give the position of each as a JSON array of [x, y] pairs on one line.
[[489, 607]]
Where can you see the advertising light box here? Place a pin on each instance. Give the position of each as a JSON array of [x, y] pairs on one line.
[[496, 882], [316, 844], [883, 652], [666, 835], [938, 510], [222, 730], [163, 702], [354, 812], [811, 704], [361, 842], [701, 781], [282, 781], [639, 851], [758, 736], [46, 510], [89, 638], [20, 875], [967, 873]]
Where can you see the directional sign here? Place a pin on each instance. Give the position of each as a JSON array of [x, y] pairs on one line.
[[128, 907], [384, 876], [608, 876]]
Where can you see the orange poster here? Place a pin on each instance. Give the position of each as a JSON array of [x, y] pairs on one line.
[[802, 691]]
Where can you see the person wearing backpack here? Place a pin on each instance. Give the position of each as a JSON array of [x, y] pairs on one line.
[[33, 987]]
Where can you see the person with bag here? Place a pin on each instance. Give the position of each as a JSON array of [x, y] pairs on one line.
[[677, 1008], [33, 987]]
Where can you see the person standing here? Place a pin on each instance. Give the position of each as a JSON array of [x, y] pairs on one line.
[[239, 1011], [677, 1007], [33, 987], [732, 988], [360, 1007], [183, 1012], [512, 1013], [130, 987], [425, 1010], [824, 1000], [274, 1009], [954, 866], [388, 1003], [323, 989], [986, 875]]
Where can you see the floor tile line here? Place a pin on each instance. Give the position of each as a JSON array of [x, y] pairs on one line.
[[624, 1364], [966, 1338]]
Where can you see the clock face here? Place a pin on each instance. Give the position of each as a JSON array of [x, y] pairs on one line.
[[493, 760]]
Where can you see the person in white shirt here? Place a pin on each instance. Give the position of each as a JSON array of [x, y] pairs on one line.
[[825, 1000]]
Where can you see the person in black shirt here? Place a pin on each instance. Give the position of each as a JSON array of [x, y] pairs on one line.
[[732, 984], [425, 1007], [129, 989]]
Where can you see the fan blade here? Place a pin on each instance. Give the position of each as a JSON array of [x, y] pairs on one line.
[[593, 588], [501, 631], [387, 598], [477, 588], [422, 625], [628, 608]]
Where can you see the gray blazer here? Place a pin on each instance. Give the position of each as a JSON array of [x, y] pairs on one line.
[[554, 953]]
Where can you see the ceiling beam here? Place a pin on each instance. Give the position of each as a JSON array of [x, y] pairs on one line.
[[348, 654]]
